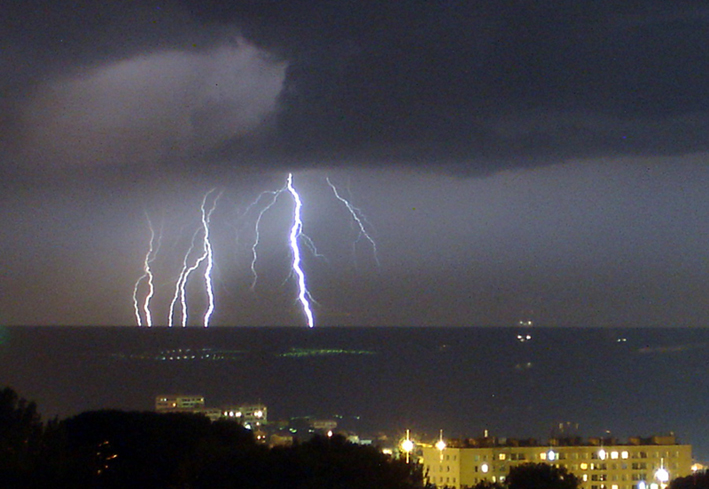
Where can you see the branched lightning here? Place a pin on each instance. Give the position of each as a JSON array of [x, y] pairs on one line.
[[179, 287], [257, 229], [295, 232], [201, 254], [208, 255], [147, 273], [355, 213]]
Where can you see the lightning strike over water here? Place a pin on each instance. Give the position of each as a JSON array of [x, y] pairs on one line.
[[200, 253], [179, 287], [295, 233], [355, 212], [208, 255], [147, 273]]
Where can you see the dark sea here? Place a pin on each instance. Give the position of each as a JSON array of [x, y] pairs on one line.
[[514, 382]]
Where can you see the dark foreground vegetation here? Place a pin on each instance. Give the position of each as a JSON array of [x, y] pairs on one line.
[[116, 449]]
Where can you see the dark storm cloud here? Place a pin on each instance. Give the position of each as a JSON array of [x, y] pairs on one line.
[[91, 86], [471, 86]]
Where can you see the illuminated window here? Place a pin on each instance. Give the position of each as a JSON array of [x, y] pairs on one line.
[[543, 456], [484, 468], [584, 466], [624, 454], [502, 456], [614, 455], [585, 477]]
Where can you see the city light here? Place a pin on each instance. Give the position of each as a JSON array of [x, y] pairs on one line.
[[407, 446], [441, 445]]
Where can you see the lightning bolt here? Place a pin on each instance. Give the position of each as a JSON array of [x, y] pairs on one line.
[[179, 286], [257, 226], [208, 256], [201, 254], [355, 213], [295, 233], [147, 273]]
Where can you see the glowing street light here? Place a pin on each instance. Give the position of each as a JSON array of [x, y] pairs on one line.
[[662, 475], [407, 446], [441, 445]]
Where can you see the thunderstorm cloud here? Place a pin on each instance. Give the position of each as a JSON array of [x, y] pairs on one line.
[[152, 108], [473, 88]]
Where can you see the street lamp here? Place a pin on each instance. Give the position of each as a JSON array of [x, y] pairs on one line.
[[407, 446], [441, 445], [662, 475]]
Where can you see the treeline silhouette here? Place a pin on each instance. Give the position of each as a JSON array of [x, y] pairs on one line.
[[118, 449]]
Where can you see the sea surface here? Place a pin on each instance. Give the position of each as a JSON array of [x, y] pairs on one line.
[[514, 382]]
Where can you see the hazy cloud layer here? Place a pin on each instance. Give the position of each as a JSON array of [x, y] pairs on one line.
[[151, 108], [473, 87]]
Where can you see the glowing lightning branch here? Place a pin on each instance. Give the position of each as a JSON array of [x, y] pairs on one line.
[[179, 287], [295, 232], [257, 226], [147, 273], [207, 254], [210, 263], [201, 254], [355, 215]]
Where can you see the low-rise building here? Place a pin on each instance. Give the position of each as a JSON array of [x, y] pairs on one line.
[[641, 463], [178, 403]]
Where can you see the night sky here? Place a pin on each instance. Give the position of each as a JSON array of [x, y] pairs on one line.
[[512, 161]]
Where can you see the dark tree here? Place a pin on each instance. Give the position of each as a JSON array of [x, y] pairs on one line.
[[698, 480], [20, 437], [485, 484], [535, 476], [541, 476], [107, 449]]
